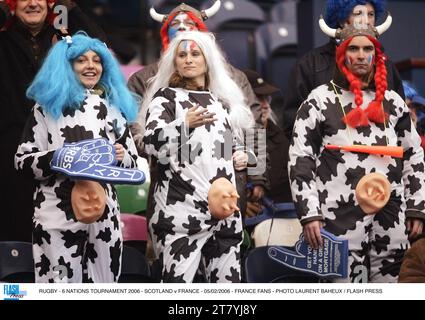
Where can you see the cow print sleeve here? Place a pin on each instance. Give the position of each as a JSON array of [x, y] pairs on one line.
[[303, 154], [33, 157], [413, 164], [163, 130], [131, 155]]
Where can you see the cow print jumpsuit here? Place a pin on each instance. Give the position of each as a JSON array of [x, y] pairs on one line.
[[323, 181], [189, 160], [62, 246]]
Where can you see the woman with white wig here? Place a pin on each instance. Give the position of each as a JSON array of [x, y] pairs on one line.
[[195, 112]]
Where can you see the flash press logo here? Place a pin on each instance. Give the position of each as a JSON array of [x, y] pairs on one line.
[[12, 292]]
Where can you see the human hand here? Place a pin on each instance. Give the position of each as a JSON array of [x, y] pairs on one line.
[[312, 234], [240, 160], [414, 227], [252, 209], [119, 152], [198, 116], [257, 193]]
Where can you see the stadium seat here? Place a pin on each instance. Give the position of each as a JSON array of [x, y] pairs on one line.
[[275, 225], [16, 262], [173, 3], [266, 5], [283, 232], [234, 25], [284, 12], [276, 51], [127, 15], [135, 267], [134, 231], [133, 198]]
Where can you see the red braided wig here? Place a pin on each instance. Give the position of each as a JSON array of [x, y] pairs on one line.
[[200, 25], [50, 14], [374, 111]]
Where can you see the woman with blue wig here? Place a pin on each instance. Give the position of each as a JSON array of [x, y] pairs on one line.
[[80, 94]]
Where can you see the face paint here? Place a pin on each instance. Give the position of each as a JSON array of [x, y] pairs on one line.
[[348, 61], [180, 23], [370, 59], [190, 62], [172, 33], [188, 45], [359, 56]]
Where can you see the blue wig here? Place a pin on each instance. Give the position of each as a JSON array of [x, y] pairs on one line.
[[56, 87], [338, 11]]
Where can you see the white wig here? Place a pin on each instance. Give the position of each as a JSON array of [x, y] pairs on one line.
[[220, 83]]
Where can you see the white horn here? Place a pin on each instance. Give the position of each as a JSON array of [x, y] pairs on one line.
[[384, 27], [326, 29], [213, 10], [156, 16]]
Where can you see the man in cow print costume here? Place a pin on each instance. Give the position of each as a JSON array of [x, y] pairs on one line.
[[194, 112], [354, 109], [80, 95]]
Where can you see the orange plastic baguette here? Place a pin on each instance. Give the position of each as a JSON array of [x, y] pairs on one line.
[[396, 152]]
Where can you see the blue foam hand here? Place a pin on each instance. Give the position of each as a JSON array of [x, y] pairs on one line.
[[93, 159], [331, 260]]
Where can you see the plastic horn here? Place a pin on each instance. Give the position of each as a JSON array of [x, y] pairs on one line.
[[396, 152]]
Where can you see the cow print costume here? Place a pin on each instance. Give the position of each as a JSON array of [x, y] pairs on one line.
[[189, 160], [323, 181], [61, 244]]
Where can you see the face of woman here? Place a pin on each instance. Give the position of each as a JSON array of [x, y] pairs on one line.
[[190, 61], [88, 68]]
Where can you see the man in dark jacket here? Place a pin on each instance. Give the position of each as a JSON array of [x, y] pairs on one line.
[[413, 266], [277, 145], [24, 42], [317, 67]]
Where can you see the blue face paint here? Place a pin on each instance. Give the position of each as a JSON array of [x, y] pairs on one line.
[[347, 61], [370, 59], [172, 32], [186, 46]]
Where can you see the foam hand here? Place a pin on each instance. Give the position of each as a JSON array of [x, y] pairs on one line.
[[331, 260], [93, 159]]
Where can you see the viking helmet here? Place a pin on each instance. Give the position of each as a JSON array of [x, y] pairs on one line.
[[352, 30], [203, 15]]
